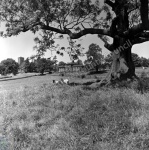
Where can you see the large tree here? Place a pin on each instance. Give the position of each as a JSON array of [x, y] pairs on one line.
[[94, 56], [41, 64], [26, 65], [51, 63], [8, 66], [125, 21]]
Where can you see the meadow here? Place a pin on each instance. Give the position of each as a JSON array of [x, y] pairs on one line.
[[36, 115]]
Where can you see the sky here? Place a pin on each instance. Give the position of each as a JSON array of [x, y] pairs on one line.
[[22, 46]]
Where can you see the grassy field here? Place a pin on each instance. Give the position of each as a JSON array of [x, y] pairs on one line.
[[25, 82], [35, 115], [47, 79]]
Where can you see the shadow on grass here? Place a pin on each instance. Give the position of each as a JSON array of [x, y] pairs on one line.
[[86, 83], [7, 79], [99, 72], [42, 74]]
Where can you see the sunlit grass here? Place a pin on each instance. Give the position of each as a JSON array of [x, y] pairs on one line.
[[49, 117]]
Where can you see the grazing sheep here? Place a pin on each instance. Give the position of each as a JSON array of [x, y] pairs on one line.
[[55, 81], [65, 81], [62, 81]]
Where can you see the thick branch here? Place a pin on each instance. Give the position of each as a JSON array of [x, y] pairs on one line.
[[89, 31], [132, 31], [142, 34], [79, 34], [140, 40], [111, 4], [144, 13], [44, 27], [109, 46]]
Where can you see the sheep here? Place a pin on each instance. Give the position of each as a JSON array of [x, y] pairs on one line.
[[65, 81], [62, 81], [55, 81]]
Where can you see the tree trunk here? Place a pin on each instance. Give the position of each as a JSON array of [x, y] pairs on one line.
[[122, 67]]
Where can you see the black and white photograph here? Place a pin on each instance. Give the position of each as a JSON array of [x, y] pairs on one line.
[[74, 75]]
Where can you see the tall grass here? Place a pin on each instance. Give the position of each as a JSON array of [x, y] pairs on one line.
[[74, 118]]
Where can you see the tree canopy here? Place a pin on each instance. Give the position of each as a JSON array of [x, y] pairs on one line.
[[94, 55], [8, 66], [74, 17]]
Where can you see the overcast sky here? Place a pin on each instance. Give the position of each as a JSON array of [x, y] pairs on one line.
[[22, 45]]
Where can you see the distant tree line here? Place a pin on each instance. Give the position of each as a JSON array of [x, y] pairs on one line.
[[39, 65], [140, 61]]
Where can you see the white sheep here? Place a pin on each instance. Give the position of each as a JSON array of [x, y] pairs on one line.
[[62, 81], [65, 81], [55, 81]]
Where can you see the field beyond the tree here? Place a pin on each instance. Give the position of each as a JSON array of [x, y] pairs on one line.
[[37, 115]]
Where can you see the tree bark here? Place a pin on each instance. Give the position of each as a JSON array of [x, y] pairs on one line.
[[122, 66]]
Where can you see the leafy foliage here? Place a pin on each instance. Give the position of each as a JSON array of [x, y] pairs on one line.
[[79, 62], [9, 66], [61, 63], [94, 56], [41, 64], [51, 64], [26, 66], [46, 41], [108, 59], [140, 61]]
